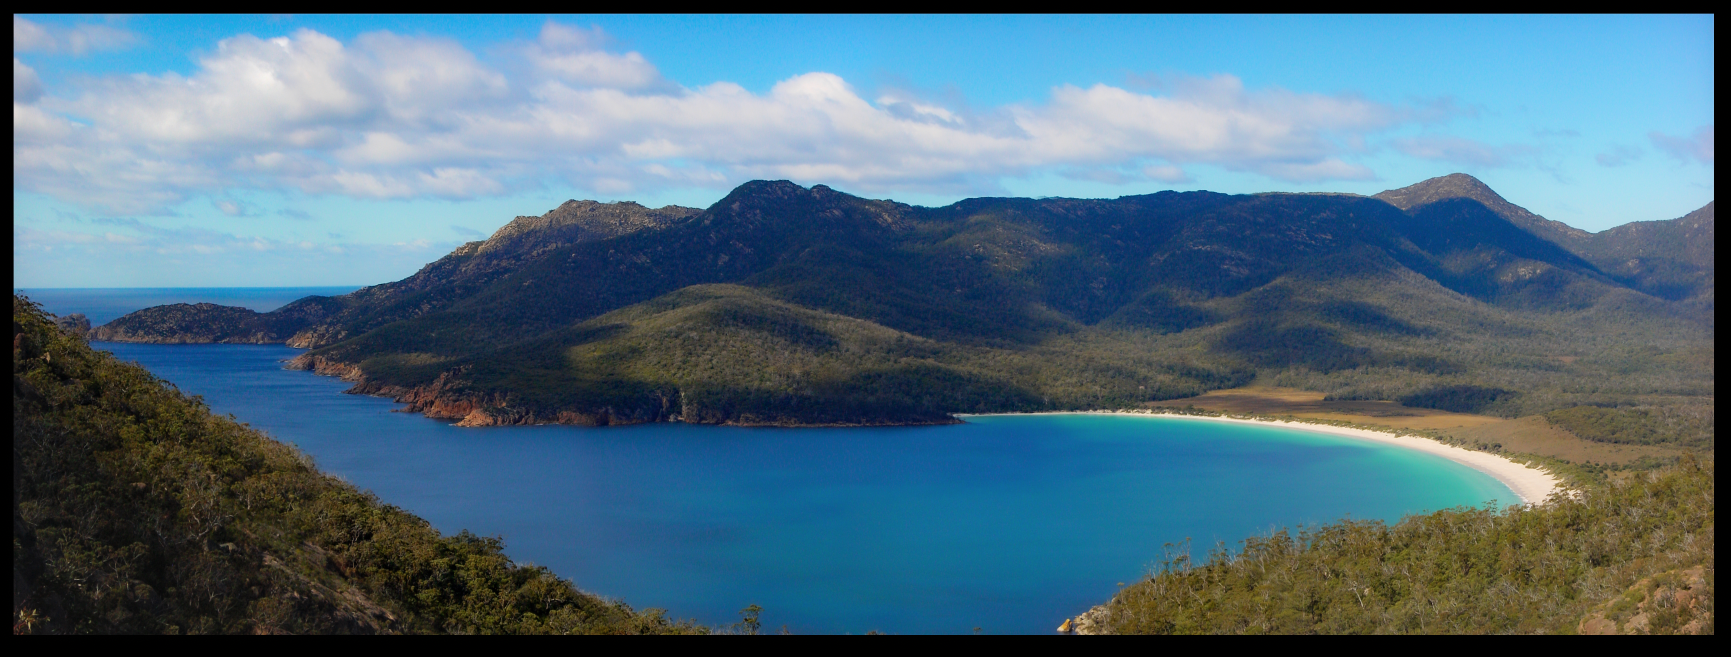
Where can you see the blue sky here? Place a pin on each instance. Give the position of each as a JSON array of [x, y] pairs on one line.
[[306, 150]]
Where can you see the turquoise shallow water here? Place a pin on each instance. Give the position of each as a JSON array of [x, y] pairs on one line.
[[1006, 523]]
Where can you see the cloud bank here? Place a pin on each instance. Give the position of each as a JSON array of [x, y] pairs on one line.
[[1697, 146], [390, 116]]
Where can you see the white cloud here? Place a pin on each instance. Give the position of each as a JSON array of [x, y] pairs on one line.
[[575, 55], [392, 116], [29, 36], [1166, 174], [26, 87], [229, 207], [1697, 146]]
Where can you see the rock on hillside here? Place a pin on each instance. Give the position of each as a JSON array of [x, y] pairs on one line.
[[75, 323]]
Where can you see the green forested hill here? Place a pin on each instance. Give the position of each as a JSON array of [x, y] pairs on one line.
[[1633, 556], [786, 305], [135, 510], [1670, 259]]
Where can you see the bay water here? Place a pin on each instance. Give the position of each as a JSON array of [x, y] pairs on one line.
[[1008, 524]]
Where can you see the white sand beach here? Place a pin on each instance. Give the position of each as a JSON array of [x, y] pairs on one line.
[[1532, 485]]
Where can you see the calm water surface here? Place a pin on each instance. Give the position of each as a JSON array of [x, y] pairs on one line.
[[1009, 524]]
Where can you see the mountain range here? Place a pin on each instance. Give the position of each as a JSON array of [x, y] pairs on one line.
[[787, 305]]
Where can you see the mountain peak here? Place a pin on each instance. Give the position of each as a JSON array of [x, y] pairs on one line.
[[580, 221], [1460, 185], [1454, 185]]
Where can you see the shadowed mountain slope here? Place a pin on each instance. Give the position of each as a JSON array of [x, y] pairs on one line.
[[1670, 259], [786, 305], [1460, 185]]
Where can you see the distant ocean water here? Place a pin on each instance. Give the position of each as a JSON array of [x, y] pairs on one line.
[[105, 304], [1005, 523]]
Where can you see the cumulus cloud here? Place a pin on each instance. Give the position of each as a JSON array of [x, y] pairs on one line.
[[29, 36], [26, 87], [230, 207], [1697, 146], [393, 116], [575, 56], [1619, 155]]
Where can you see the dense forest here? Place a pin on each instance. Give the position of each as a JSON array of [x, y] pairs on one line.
[[136, 510], [1634, 555]]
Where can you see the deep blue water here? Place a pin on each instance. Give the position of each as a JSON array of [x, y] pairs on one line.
[[1009, 524]]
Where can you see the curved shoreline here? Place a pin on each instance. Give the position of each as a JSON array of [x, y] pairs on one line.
[[1532, 485]]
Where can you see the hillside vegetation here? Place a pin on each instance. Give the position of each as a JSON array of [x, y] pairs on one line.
[[1632, 556], [135, 510], [782, 304]]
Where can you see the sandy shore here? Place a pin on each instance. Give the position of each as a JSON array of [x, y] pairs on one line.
[[1531, 485]]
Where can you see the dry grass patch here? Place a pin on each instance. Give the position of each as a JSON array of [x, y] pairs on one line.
[[1527, 435], [1266, 400], [1534, 435]]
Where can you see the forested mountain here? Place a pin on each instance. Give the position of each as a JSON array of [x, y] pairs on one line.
[[1668, 259], [786, 305]]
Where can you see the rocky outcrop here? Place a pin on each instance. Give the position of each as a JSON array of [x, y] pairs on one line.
[[448, 398], [1092, 621], [1675, 602], [75, 323], [577, 221]]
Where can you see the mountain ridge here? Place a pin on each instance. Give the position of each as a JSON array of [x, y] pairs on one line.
[[1005, 304]]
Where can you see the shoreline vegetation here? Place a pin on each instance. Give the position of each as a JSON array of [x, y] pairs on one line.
[[1631, 556], [1530, 481]]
